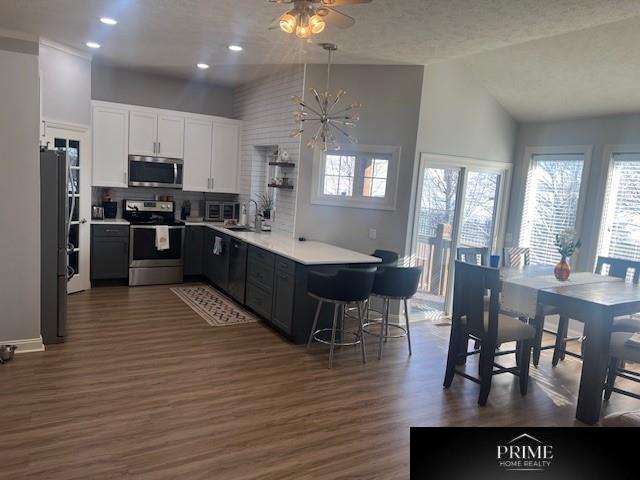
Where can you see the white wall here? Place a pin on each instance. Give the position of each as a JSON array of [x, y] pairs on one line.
[[391, 101], [66, 85], [19, 191], [597, 132], [266, 110], [459, 117]]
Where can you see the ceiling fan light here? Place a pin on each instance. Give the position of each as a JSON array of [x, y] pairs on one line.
[[288, 23], [317, 24], [303, 31]]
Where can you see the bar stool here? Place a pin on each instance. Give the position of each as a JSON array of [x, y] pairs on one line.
[[394, 283], [348, 285], [389, 259]]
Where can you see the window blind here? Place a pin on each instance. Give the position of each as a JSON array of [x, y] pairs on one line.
[[620, 231], [551, 203]]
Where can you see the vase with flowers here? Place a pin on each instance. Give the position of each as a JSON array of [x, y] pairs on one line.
[[567, 244]]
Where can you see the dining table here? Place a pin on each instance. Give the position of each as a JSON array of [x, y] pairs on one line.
[[590, 298]]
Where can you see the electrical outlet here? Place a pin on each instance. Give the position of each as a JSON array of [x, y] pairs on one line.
[[373, 233]]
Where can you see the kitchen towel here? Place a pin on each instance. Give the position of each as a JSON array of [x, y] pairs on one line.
[[217, 246], [162, 237]]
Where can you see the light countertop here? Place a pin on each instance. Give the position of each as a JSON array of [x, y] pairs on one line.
[[306, 253]]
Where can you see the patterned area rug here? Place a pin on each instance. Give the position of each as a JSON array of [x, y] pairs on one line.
[[215, 308]]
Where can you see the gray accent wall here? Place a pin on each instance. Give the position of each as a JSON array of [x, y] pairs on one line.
[[391, 106], [596, 132], [19, 193], [112, 84]]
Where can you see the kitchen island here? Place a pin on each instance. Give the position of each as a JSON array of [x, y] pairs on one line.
[[267, 272]]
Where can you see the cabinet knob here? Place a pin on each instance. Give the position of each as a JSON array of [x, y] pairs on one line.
[[83, 221]]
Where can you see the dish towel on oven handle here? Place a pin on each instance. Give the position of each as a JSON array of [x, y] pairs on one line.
[[217, 246], [162, 237]]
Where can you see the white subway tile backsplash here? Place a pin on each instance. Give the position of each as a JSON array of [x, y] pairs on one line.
[[266, 110]]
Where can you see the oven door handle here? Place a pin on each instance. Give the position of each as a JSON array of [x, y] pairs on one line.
[[149, 227]]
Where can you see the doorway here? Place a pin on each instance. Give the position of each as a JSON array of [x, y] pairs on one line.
[[459, 203], [76, 143]]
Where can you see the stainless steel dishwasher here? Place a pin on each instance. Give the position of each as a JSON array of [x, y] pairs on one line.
[[237, 269]]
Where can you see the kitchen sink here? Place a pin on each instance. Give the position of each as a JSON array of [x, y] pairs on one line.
[[238, 228]]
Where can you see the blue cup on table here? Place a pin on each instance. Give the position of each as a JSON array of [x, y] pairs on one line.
[[494, 261]]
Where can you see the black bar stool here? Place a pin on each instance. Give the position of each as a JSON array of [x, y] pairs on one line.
[[389, 259], [348, 285], [394, 283]]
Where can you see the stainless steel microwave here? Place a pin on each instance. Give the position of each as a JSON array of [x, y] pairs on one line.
[[221, 211], [155, 172]]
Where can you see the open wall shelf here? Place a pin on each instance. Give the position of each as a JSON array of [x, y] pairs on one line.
[[282, 164]]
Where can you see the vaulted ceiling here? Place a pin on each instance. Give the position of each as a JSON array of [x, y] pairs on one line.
[[538, 57]]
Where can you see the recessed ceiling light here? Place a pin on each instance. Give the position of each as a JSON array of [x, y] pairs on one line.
[[108, 21], [235, 48], [93, 45], [202, 66]]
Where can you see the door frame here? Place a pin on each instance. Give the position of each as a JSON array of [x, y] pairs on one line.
[[83, 133], [464, 164]]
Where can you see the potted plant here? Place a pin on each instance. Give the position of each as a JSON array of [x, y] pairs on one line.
[[265, 204], [567, 244]]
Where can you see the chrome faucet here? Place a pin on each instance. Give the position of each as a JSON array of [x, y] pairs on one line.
[[257, 220]]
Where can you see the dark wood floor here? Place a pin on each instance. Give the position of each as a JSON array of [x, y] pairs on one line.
[[144, 388]]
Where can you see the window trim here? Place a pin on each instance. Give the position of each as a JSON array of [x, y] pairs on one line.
[[388, 202], [528, 158], [608, 157]]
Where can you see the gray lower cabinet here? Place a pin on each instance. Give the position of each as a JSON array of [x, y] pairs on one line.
[[283, 294], [260, 272], [109, 252], [259, 300], [194, 251]]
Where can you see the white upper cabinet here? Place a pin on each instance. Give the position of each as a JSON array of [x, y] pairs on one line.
[[170, 136], [198, 143], [143, 133], [154, 133], [209, 146], [110, 146], [226, 157]]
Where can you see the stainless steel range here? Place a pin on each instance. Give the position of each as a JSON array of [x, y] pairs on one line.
[[150, 263]]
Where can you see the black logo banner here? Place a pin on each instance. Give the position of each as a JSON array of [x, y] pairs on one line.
[[523, 453]]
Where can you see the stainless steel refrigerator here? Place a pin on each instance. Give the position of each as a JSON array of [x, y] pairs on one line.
[[57, 198]]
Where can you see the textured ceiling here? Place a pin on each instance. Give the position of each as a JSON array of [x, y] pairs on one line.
[[586, 73], [170, 36]]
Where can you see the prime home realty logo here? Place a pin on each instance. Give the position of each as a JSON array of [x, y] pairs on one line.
[[525, 453]]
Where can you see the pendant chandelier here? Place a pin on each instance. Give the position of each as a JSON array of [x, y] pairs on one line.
[[328, 116]]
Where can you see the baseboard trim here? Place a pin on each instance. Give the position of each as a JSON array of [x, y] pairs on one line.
[[26, 345]]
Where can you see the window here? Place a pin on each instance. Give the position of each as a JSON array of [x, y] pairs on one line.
[[620, 232], [338, 175], [359, 176], [551, 202]]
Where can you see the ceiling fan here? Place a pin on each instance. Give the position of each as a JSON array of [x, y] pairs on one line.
[[310, 17]]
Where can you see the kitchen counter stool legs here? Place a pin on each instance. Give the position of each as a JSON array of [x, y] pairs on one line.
[[342, 288], [395, 283]]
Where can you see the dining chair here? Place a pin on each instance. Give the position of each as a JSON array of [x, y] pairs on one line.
[[620, 352], [516, 257], [471, 319], [612, 267], [473, 255]]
